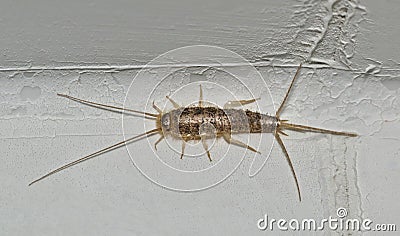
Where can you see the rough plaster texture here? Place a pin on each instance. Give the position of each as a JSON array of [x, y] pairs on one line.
[[94, 49]]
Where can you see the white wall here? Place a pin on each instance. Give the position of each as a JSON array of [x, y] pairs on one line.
[[93, 50]]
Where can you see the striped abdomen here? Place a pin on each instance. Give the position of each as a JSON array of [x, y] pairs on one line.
[[189, 121]]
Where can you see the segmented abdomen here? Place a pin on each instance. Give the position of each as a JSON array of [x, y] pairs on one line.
[[187, 122]]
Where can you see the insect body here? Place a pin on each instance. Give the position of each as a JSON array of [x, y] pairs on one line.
[[188, 121], [204, 122], [192, 123]]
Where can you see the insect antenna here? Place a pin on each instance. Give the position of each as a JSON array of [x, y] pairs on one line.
[[95, 104], [104, 150]]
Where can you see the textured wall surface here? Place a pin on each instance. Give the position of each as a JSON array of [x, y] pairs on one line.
[[93, 50]]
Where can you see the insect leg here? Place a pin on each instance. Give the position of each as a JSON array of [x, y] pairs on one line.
[[159, 140], [183, 149], [228, 138], [289, 162], [201, 97], [176, 105], [205, 145], [157, 108], [232, 104]]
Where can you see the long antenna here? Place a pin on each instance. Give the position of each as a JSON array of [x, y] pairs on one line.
[[107, 106], [80, 160]]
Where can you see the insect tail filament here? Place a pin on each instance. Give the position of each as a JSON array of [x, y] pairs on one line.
[[302, 128]]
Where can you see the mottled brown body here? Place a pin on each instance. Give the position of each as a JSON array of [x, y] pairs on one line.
[[186, 122]]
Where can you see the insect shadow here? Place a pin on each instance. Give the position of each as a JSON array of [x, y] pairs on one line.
[[187, 124]]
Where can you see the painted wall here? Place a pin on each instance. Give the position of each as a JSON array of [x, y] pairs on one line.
[[93, 50]]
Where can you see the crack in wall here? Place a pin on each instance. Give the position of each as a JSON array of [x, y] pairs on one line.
[[334, 45], [30, 71]]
